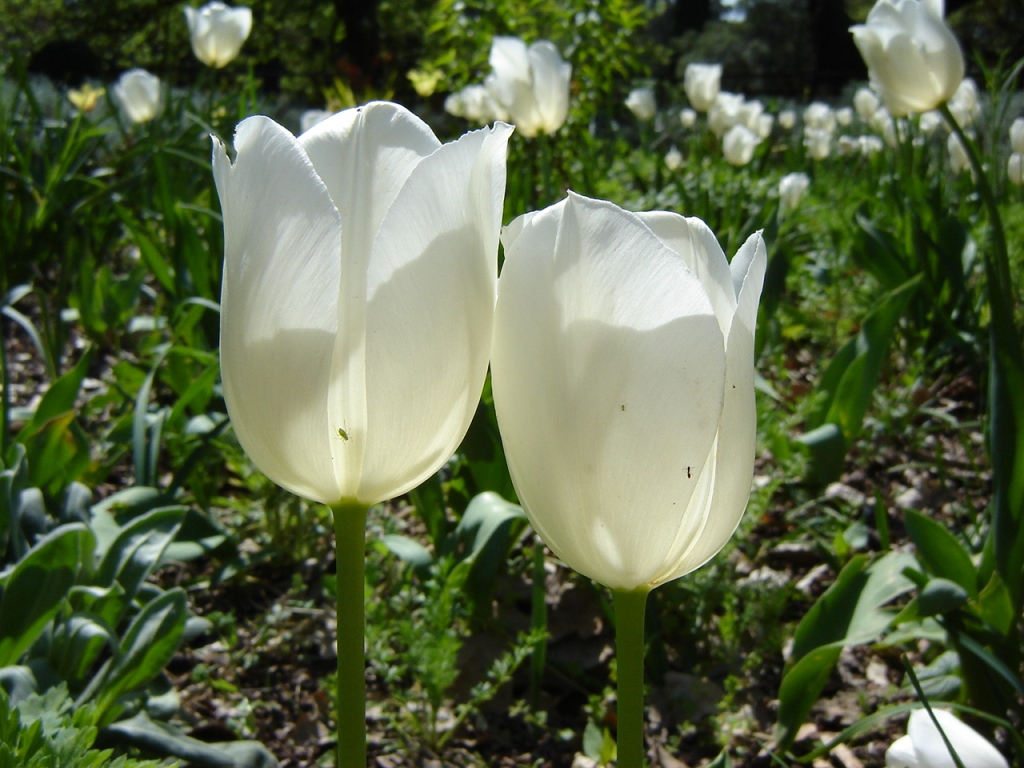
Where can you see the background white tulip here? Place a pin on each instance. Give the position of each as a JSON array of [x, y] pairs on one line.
[[923, 746], [642, 104], [738, 145], [1017, 135], [702, 83], [866, 103], [218, 32], [725, 112], [791, 188], [818, 143], [623, 381], [914, 60], [475, 103], [687, 117], [1015, 168], [673, 159], [358, 295], [530, 84], [138, 93]]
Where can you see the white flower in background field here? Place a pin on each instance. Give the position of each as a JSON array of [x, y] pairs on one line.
[[530, 83], [929, 122], [765, 123], [476, 104], [820, 116], [1015, 168], [958, 160], [866, 103], [750, 113], [673, 159], [702, 83], [818, 143], [924, 747], [138, 93], [642, 104], [913, 58], [725, 112], [787, 119], [791, 188], [1017, 135], [218, 32], [964, 103], [844, 116], [311, 117], [738, 145], [688, 117], [871, 145], [847, 145]]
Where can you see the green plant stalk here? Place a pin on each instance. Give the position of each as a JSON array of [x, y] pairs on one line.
[[350, 547], [629, 607], [1006, 422]]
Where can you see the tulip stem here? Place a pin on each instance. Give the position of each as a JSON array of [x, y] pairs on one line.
[[629, 607], [350, 545]]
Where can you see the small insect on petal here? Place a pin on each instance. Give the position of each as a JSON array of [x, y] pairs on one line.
[[342, 434]]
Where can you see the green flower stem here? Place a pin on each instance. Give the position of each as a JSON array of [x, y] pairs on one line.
[[350, 545], [629, 606]]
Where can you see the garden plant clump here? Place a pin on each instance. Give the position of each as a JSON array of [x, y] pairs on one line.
[[520, 384]]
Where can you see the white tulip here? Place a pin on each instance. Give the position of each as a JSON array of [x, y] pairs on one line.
[[787, 119], [866, 103], [218, 32], [725, 112], [844, 116], [673, 159], [965, 104], [818, 143], [819, 116], [702, 83], [358, 296], [924, 747], [530, 84], [1017, 135], [642, 104], [477, 104], [1015, 168], [688, 117], [623, 382], [738, 145], [138, 93], [791, 188], [913, 58], [958, 160]]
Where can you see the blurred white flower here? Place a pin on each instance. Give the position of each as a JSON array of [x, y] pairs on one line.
[[688, 117], [673, 159], [530, 83], [964, 103], [725, 112], [787, 119], [1017, 135], [138, 93], [958, 160], [866, 102], [311, 117], [844, 116], [702, 83], [929, 122], [476, 104], [820, 116], [924, 747], [218, 32], [1015, 168], [791, 188], [847, 145], [642, 104], [870, 145], [764, 126], [750, 113], [738, 144], [818, 143]]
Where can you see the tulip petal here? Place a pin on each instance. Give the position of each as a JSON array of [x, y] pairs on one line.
[[901, 754], [737, 434], [973, 749], [431, 289], [608, 371], [551, 75], [697, 245], [279, 300]]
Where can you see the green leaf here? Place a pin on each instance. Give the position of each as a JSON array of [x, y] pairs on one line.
[[490, 521], [148, 645], [408, 550], [940, 552], [940, 596], [853, 610], [38, 585]]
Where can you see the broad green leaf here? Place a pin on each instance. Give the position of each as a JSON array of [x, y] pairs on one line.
[[940, 552], [940, 596], [76, 646], [800, 688], [408, 550], [490, 521], [148, 645], [38, 585], [138, 548]]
